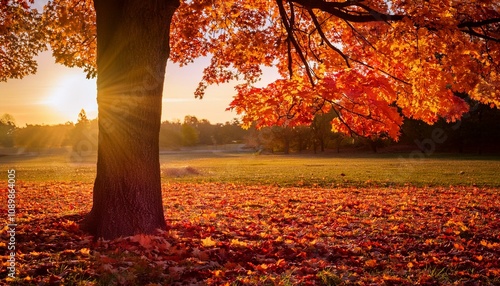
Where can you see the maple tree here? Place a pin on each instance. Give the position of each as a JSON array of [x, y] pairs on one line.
[[371, 61]]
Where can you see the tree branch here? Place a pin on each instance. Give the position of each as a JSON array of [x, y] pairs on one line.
[[472, 24], [336, 9], [291, 38], [479, 35]]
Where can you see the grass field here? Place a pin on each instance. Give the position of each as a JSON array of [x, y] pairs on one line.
[[293, 170], [245, 219]]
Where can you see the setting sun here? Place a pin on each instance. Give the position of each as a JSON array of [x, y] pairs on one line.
[[71, 94]]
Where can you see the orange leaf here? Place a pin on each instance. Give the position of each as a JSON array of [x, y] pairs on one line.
[[371, 263]]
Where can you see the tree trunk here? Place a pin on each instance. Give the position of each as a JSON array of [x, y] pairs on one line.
[[132, 52]]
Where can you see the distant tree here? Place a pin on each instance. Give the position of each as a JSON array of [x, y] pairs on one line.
[[375, 142], [7, 128], [171, 135], [230, 132], [38, 137], [321, 128], [82, 119], [206, 132], [190, 133], [475, 132], [302, 138], [283, 137], [83, 138]]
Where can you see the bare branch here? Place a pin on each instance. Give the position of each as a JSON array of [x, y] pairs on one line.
[[337, 9]]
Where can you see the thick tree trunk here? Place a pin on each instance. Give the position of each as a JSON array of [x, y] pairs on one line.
[[132, 52]]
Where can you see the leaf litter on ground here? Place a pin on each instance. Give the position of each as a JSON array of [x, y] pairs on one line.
[[227, 234]]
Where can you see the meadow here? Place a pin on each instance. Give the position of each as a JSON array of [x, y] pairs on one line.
[[327, 170], [237, 218]]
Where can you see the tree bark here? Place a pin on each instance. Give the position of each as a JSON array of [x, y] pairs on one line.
[[132, 53]]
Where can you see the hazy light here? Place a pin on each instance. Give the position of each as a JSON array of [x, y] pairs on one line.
[[71, 94]]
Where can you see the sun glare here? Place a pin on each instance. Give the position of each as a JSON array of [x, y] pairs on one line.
[[72, 94]]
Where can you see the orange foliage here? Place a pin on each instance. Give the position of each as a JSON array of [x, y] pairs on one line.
[[372, 67], [21, 38]]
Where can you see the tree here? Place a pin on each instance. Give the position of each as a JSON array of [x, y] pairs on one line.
[[171, 135], [189, 135], [322, 129], [7, 128], [37, 137], [79, 136], [372, 61], [126, 44]]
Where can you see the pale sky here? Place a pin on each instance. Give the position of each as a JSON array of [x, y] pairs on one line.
[[56, 94]]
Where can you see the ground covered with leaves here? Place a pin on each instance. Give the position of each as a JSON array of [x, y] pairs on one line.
[[226, 234]]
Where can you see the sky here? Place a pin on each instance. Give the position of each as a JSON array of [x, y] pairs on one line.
[[56, 94]]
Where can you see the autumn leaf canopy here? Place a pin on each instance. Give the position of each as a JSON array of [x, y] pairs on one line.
[[21, 38], [372, 62]]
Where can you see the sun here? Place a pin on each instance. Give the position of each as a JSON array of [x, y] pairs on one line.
[[71, 94]]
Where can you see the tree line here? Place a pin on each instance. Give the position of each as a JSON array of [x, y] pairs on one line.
[[173, 134], [477, 132]]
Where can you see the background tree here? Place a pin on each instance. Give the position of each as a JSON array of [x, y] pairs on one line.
[[190, 134], [321, 128], [80, 132], [230, 132], [171, 135], [36, 137], [372, 62], [206, 132], [7, 128], [302, 138]]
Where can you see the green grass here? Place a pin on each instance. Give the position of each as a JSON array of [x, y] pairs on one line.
[[283, 170]]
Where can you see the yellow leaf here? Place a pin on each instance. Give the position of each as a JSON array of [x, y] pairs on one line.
[[237, 243], [217, 273], [85, 251], [208, 242], [262, 267]]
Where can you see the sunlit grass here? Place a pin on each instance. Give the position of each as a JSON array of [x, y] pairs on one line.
[[293, 170]]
